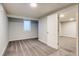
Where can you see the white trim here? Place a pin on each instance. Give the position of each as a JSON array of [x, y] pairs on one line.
[[4, 50], [68, 36], [42, 41], [22, 39], [21, 17]]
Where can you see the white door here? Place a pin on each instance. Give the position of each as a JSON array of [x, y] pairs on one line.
[[52, 31]]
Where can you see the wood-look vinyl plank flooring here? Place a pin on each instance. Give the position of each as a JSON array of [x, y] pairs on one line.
[[31, 47]]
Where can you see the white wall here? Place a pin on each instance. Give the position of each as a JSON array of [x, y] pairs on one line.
[[69, 29], [3, 30], [43, 30], [48, 30], [16, 30]]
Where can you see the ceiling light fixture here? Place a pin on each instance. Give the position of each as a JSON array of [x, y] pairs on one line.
[[71, 19], [62, 15], [33, 4]]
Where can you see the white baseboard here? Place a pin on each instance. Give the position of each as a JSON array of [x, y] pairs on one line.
[[23, 39], [42, 41], [47, 44], [69, 37], [4, 50]]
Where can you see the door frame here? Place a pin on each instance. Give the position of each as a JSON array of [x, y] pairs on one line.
[[77, 26]]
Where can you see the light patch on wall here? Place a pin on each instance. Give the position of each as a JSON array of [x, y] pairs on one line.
[[27, 25], [61, 15], [71, 19]]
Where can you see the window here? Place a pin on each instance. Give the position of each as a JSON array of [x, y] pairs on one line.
[[27, 25]]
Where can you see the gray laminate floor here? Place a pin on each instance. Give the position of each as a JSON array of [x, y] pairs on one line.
[[68, 43], [33, 47]]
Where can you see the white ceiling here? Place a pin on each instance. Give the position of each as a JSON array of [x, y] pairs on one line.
[[25, 10]]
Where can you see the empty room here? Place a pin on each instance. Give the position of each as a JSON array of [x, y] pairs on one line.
[[38, 29]]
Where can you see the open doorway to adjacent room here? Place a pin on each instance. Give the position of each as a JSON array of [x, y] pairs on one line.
[[68, 31]]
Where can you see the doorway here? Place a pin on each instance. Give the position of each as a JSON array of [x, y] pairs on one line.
[[68, 32]]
